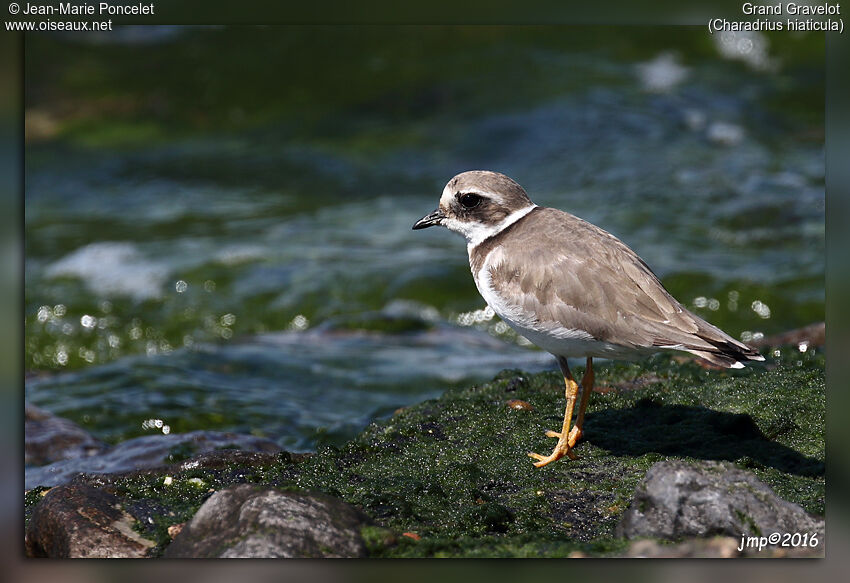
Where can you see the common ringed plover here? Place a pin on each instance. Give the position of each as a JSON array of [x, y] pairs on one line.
[[569, 287]]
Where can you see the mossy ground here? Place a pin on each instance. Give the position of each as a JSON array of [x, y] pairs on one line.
[[455, 472]]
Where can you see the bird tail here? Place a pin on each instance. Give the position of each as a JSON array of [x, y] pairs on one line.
[[708, 342], [725, 351], [727, 359]]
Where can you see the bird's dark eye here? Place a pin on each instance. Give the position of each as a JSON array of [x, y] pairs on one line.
[[470, 201]]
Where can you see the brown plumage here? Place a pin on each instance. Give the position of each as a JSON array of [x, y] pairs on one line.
[[569, 287], [566, 271]]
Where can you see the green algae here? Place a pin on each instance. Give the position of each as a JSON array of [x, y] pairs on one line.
[[456, 472], [31, 498], [451, 476]]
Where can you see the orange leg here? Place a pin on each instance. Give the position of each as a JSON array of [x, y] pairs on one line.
[[562, 448], [586, 387]]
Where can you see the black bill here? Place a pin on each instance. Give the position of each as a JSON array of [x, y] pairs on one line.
[[429, 220]]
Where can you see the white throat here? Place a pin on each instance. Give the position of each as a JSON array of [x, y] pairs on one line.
[[476, 232]]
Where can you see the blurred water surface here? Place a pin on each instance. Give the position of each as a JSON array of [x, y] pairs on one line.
[[218, 220]]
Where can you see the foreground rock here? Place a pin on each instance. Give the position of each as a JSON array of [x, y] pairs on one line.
[[677, 500], [149, 451], [83, 522], [249, 521], [48, 438]]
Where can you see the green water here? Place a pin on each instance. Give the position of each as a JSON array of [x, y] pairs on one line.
[[218, 219]]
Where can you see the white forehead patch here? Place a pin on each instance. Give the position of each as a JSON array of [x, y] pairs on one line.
[[446, 197]]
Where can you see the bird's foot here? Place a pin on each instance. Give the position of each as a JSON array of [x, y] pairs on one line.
[[575, 435], [562, 448]]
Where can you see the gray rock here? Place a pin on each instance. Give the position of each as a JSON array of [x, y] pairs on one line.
[[676, 500], [149, 451], [48, 438], [248, 521], [83, 522]]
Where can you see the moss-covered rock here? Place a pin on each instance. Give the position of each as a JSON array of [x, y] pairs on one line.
[[451, 476]]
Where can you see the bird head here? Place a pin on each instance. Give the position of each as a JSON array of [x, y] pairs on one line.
[[477, 204]]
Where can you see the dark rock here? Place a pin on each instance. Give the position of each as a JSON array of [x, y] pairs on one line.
[[676, 500], [149, 451], [48, 438], [249, 521], [83, 522]]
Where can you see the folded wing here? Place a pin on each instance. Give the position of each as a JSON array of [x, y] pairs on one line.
[[572, 272]]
